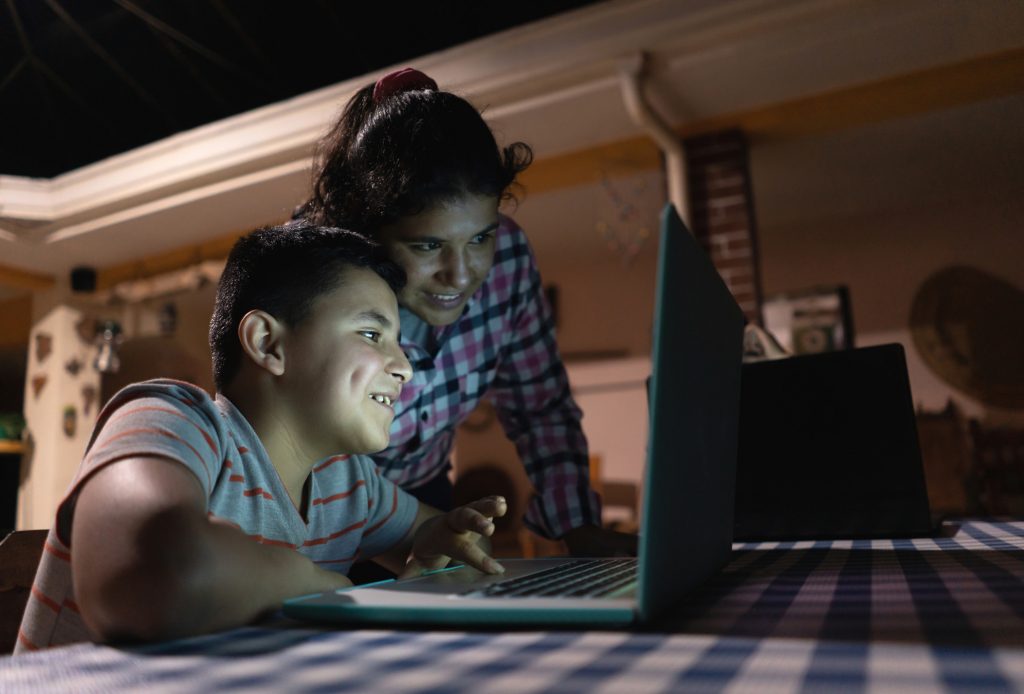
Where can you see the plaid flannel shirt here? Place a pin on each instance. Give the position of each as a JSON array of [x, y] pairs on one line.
[[502, 347]]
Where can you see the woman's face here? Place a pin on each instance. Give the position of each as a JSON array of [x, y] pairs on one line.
[[446, 252]]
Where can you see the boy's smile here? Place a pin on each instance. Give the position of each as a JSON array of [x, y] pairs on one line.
[[446, 252], [345, 369]]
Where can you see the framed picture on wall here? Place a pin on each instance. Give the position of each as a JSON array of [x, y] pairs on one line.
[[811, 320]]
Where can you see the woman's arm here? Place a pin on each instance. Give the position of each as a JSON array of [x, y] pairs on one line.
[[148, 563]]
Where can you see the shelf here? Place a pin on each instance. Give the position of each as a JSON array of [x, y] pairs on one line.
[[11, 447]]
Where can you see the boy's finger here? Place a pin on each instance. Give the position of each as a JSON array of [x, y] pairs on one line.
[[416, 565], [412, 569], [473, 555], [490, 506], [468, 519]]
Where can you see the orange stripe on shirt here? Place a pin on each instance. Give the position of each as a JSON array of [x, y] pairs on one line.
[[25, 641], [276, 543], [329, 462], [258, 491], [394, 507], [236, 478], [159, 432], [340, 495], [60, 554], [334, 536], [72, 605], [45, 599], [153, 408], [183, 399]]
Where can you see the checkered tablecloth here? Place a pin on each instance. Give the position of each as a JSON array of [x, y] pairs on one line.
[[895, 615]]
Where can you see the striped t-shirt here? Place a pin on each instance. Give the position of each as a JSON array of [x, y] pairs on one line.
[[353, 512]]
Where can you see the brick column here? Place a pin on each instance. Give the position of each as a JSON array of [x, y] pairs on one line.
[[722, 212]]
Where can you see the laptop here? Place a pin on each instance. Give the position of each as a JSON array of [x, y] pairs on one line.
[[687, 515], [828, 449]]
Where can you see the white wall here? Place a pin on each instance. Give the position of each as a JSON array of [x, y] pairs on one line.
[[606, 295], [883, 207], [53, 457]]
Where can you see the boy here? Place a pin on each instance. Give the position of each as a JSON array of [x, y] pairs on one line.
[[191, 514]]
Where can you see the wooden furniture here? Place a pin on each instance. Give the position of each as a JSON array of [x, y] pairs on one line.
[[8, 447], [999, 465], [11, 453], [19, 556], [946, 456]]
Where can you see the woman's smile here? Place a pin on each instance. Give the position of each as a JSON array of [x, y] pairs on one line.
[[446, 252]]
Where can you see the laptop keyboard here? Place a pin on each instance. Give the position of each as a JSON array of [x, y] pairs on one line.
[[581, 578]]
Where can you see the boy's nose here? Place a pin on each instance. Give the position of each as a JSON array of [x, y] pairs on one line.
[[401, 369]]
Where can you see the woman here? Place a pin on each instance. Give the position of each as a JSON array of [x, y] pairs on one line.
[[419, 169]]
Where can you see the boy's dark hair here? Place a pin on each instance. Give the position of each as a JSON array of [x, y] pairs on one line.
[[283, 270], [416, 149]]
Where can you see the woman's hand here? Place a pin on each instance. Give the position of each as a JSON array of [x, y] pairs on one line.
[[591, 541], [456, 535]]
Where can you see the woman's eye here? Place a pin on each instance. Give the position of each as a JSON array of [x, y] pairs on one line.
[[370, 335], [483, 238]]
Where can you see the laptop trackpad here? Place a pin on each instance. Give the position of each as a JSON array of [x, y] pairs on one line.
[[459, 579]]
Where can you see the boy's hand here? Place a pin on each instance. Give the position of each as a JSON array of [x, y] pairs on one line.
[[456, 535]]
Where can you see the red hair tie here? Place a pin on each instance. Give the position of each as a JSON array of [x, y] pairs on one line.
[[402, 80]]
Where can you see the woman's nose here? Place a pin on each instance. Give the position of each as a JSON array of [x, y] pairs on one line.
[[456, 271]]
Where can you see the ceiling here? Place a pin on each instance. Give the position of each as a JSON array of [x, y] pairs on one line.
[[81, 80], [783, 71]]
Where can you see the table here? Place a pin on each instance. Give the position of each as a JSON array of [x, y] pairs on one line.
[[875, 615]]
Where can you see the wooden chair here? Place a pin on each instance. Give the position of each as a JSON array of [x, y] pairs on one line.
[[615, 495], [948, 468], [999, 462], [20, 552], [624, 496]]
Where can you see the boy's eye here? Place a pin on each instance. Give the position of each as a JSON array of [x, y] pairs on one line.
[[425, 246], [370, 335]]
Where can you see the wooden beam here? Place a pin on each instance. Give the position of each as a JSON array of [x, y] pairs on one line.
[[15, 320], [922, 91], [945, 86], [589, 165], [22, 279], [166, 262]]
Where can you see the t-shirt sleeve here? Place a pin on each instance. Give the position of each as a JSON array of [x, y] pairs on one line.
[[391, 514], [165, 422]]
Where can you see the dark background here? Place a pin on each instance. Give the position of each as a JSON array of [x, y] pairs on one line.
[[81, 80]]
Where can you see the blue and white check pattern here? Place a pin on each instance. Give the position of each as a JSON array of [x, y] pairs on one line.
[[921, 615]]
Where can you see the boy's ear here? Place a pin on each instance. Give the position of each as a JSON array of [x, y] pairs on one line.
[[262, 338]]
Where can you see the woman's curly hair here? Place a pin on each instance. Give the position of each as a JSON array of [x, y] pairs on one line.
[[417, 149]]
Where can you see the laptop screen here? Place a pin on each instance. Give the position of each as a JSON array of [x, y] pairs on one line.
[[694, 411], [828, 448]]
